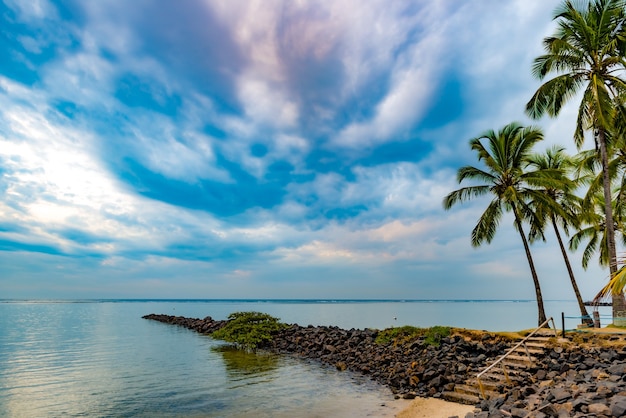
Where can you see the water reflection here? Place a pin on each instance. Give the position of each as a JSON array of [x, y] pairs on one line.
[[241, 362]]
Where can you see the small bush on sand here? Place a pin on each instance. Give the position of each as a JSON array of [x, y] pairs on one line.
[[249, 330]]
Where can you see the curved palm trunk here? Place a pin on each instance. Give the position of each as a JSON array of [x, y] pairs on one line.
[[541, 311], [619, 302], [581, 305]]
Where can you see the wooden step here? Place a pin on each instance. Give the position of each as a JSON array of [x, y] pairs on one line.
[[473, 389], [521, 359], [536, 339], [543, 334], [467, 389], [493, 386], [494, 380], [515, 364], [460, 398], [536, 343], [512, 368], [530, 350]]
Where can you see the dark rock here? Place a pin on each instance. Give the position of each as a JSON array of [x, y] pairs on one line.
[[560, 394], [549, 410], [618, 406], [341, 365], [578, 403], [529, 390], [518, 413], [618, 369], [599, 409]]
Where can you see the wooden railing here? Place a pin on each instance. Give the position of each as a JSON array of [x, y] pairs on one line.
[[508, 353]]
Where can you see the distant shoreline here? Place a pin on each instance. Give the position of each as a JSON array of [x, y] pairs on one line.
[[591, 303], [269, 300]]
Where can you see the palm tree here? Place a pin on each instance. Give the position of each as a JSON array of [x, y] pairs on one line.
[[504, 156], [560, 207], [586, 51], [594, 228], [617, 166], [593, 218], [595, 234]]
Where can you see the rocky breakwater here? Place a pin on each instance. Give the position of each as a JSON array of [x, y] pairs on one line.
[[574, 379], [408, 366], [204, 326]]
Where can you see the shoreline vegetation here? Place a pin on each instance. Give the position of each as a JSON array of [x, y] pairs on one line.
[[582, 375]]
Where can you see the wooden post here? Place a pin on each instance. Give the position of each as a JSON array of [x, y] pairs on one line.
[[596, 319]]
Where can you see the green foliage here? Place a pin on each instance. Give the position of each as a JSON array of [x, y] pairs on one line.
[[401, 335], [397, 334], [250, 330], [434, 335]]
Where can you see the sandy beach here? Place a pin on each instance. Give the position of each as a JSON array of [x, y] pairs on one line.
[[433, 408]]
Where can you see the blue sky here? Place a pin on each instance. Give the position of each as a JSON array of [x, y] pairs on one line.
[[262, 149]]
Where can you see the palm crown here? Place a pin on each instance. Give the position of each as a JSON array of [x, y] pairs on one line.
[[505, 156]]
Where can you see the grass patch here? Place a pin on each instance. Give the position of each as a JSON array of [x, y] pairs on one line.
[[434, 335], [401, 335]]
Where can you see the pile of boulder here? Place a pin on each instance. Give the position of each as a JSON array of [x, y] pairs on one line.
[[411, 368], [585, 379], [569, 381], [204, 326]]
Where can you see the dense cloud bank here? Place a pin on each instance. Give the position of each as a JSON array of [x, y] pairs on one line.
[[261, 149]]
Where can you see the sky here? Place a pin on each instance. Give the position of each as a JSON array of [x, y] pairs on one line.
[[263, 149]]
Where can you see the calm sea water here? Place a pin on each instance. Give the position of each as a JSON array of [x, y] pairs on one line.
[[100, 358]]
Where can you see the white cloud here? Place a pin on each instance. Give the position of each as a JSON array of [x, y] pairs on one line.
[[33, 10], [55, 182], [265, 104]]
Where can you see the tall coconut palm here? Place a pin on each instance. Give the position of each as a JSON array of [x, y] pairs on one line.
[[593, 228], [617, 168], [504, 157], [586, 52], [559, 209], [593, 219]]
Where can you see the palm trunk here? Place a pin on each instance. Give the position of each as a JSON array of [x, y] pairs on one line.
[[541, 311], [586, 319], [619, 302]]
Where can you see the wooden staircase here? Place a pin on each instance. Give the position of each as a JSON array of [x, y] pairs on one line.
[[507, 371]]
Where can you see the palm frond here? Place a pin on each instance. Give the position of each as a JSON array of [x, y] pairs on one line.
[[487, 225], [464, 194], [615, 286], [553, 94]]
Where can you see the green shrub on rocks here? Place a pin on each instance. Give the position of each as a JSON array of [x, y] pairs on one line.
[[249, 330], [401, 335], [397, 335], [433, 335]]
